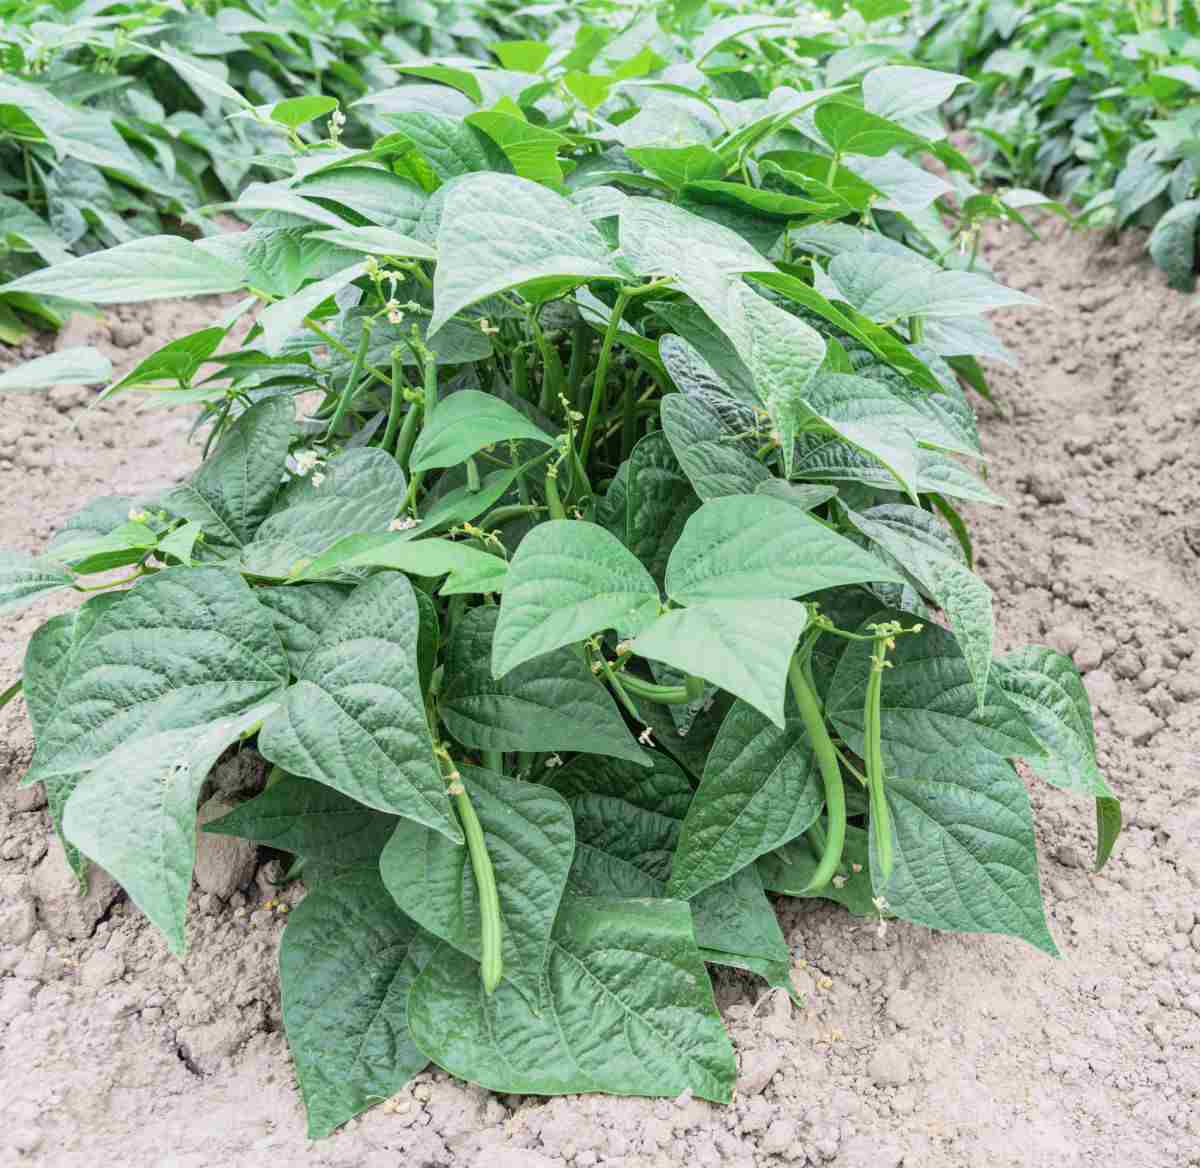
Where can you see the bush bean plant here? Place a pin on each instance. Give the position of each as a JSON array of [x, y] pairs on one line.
[[579, 543], [1093, 102], [112, 114]]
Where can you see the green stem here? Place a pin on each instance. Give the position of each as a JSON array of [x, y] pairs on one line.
[[334, 343], [831, 773], [833, 170], [580, 347], [666, 695], [472, 475], [916, 329], [629, 418], [610, 335], [491, 964], [351, 381], [613, 680], [408, 436]]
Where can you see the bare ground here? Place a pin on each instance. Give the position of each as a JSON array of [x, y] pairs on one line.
[[914, 1048]]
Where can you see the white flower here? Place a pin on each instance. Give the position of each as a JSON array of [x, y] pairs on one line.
[[646, 737], [404, 523], [487, 328], [306, 460], [317, 479], [395, 313], [555, 760], [136, 516]]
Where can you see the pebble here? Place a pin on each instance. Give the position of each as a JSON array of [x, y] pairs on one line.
[[758, 1067], [1155, 952], [63, 912], [889, 1066], [1136, 723], [1088, 655], [127, 333]]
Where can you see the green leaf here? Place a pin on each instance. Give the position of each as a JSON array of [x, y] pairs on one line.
[[743, 646], [355, 718], [75, 366], [761, 788], [127, 543], [532, 150], [849, 129], [522, 56], [965, 859], [295, 111], [371, 193], [892, 290], [714, 463], [928, 704], [134, 813], [743, 547], [23, 578], [185, 648], [154, 268], [721, 32], [905, 187], [926, 551], [1045, 686], [627, 1010], [330, 831], [679, 165], [347, 962], [567, 581], [500, 231], [659, 499], [551, 703], [1172, 246], [467, 569], [360, 490], [233, 491], [464, 424], [299, 614], [284, 318], [176, 362], [530, 839], [783, 354], [903, 91], [376, 241], [47, 664], [806, 496], [661, 239], [627, 823], [789, 870]]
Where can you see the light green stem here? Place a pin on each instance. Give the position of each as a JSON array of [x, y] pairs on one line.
[[351, 381], [610, 336]]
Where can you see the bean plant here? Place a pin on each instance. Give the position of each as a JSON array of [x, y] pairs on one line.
[[579, 541], [1092, 102]]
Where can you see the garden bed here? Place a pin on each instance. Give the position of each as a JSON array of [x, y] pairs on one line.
[[914, 1047]]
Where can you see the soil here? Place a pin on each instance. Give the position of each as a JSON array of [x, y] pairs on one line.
[[913, 1047]]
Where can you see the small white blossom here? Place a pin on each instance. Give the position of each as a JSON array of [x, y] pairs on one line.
[[395, 313], [555, 760], [318, 478], [136, 516], [646, 737], [404, 523], [487, 328], [306, 460]]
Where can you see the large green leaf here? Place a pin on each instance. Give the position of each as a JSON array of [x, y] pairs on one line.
[[627, 1010], [532, 150], [743, 547], [134, 813], [153, 268], [850, 129], [466, 568], [285, 317], [658, 501], [500, 231], [47, 664], [551, 703], [761, 788], [232, 492], [346, 965], [300, 614], [964, 852], [464, 424], [355, 719], [627, 823], [328, 830], [743, 646], [661, 239], [783, 354], [930, 554], [1172, 245], [567, 581], [1045, 686], [23, 578], [928, 703], [904, 91], [185, 648], [74, 366], [530, 839], [356, 491], [894, 289], [713, 461]]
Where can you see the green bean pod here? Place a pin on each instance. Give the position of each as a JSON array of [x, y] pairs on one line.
[[491, 959]]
